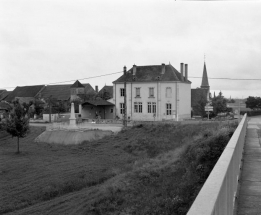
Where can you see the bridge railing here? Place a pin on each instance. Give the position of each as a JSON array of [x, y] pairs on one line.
[[217, 196]]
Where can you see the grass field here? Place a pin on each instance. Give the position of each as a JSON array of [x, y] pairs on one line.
[[123, 174]]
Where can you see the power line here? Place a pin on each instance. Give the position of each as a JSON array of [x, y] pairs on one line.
[[232, 79], [74, 79]]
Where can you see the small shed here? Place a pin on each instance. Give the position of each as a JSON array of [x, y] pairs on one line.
[[92, 109]]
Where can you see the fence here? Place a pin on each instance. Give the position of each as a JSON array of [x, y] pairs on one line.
[[217, 196]]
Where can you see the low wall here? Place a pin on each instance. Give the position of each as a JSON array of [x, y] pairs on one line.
[[217, 196]]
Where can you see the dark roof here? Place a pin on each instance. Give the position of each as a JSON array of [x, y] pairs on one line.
[[97, 103], [196, 95], [2, 91], [108, 89], [5, 106], [61, 92], [4, 94], [77, 84], [152, 74], [204, 82], [25, 91]]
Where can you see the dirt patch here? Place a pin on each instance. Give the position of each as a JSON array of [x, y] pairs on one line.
[[71, 137]]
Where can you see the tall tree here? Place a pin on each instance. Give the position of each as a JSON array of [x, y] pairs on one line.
[[219, 104], [18, 122]]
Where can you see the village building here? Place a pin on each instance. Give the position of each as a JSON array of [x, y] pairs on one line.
[[157, 92], [24, 93], [201, 94], [4, 94]]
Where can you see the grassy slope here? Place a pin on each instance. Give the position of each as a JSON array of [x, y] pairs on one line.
[[127, 173]]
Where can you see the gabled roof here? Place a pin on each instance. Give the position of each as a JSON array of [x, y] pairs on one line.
[[204, 82], [108, 89], [77, 84], [97, 103], [5, 106], [25, 91], [61, 92], [152, 74], [4, 94]]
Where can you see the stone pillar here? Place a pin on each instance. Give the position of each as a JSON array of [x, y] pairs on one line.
[[72, 117]]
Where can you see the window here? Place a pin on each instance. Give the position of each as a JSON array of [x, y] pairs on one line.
[[80, 91], [168, 92], [122, 108], [111, 110], [151, 92], [168, 108], [137, 92], [122, 91], [151, 107], [137, 107]]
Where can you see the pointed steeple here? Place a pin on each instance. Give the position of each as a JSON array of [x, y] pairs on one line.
[[204, 83]]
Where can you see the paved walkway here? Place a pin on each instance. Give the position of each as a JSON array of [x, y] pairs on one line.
[[249, 202]]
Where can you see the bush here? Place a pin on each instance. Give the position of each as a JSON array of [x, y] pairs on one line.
[[251, 113]]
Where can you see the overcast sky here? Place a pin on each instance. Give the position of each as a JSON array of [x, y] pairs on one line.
[[48, 41]]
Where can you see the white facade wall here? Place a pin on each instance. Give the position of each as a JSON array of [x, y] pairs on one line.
[[179, 91], [185, 101]]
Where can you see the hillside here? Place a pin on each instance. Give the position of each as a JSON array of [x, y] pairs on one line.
[[147, 169]]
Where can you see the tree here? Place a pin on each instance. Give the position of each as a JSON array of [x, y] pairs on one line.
[[105, 95], [18, 122], [253, 102], [219, 104]]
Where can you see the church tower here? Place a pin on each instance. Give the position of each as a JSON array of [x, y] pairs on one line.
[[204, 83]]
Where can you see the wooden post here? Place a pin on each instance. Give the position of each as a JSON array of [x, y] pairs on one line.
[[125, 103]]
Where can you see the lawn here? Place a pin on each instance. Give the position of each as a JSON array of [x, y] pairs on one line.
[[137, 171]]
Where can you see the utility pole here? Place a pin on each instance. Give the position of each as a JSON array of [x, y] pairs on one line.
[[125, 103], [50, 109]]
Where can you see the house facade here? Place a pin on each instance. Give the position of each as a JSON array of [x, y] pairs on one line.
[[157, 93]]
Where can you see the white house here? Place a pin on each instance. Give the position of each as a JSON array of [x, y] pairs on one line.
[[154, 93]]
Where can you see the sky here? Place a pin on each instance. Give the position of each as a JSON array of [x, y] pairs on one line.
[[50, 41]]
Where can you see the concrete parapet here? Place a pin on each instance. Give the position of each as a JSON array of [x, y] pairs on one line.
[[217, 196]]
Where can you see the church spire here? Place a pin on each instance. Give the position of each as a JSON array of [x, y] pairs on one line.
[[204, 83]]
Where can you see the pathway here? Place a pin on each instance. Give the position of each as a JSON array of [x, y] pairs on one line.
[[249, 202]]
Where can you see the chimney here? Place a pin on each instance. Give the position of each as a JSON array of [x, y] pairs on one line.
[[134, 70], [96, 89], [163, 69], [181, 71], [186, 72], [124, 70]]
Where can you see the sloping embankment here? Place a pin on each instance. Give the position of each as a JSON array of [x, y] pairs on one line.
[[71, 137]]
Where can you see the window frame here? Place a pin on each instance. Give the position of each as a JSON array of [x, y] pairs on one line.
[[122, 108], [168, 109], [137, 91], [122, 92], [151, 95], [168, 95], [137, 107]]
